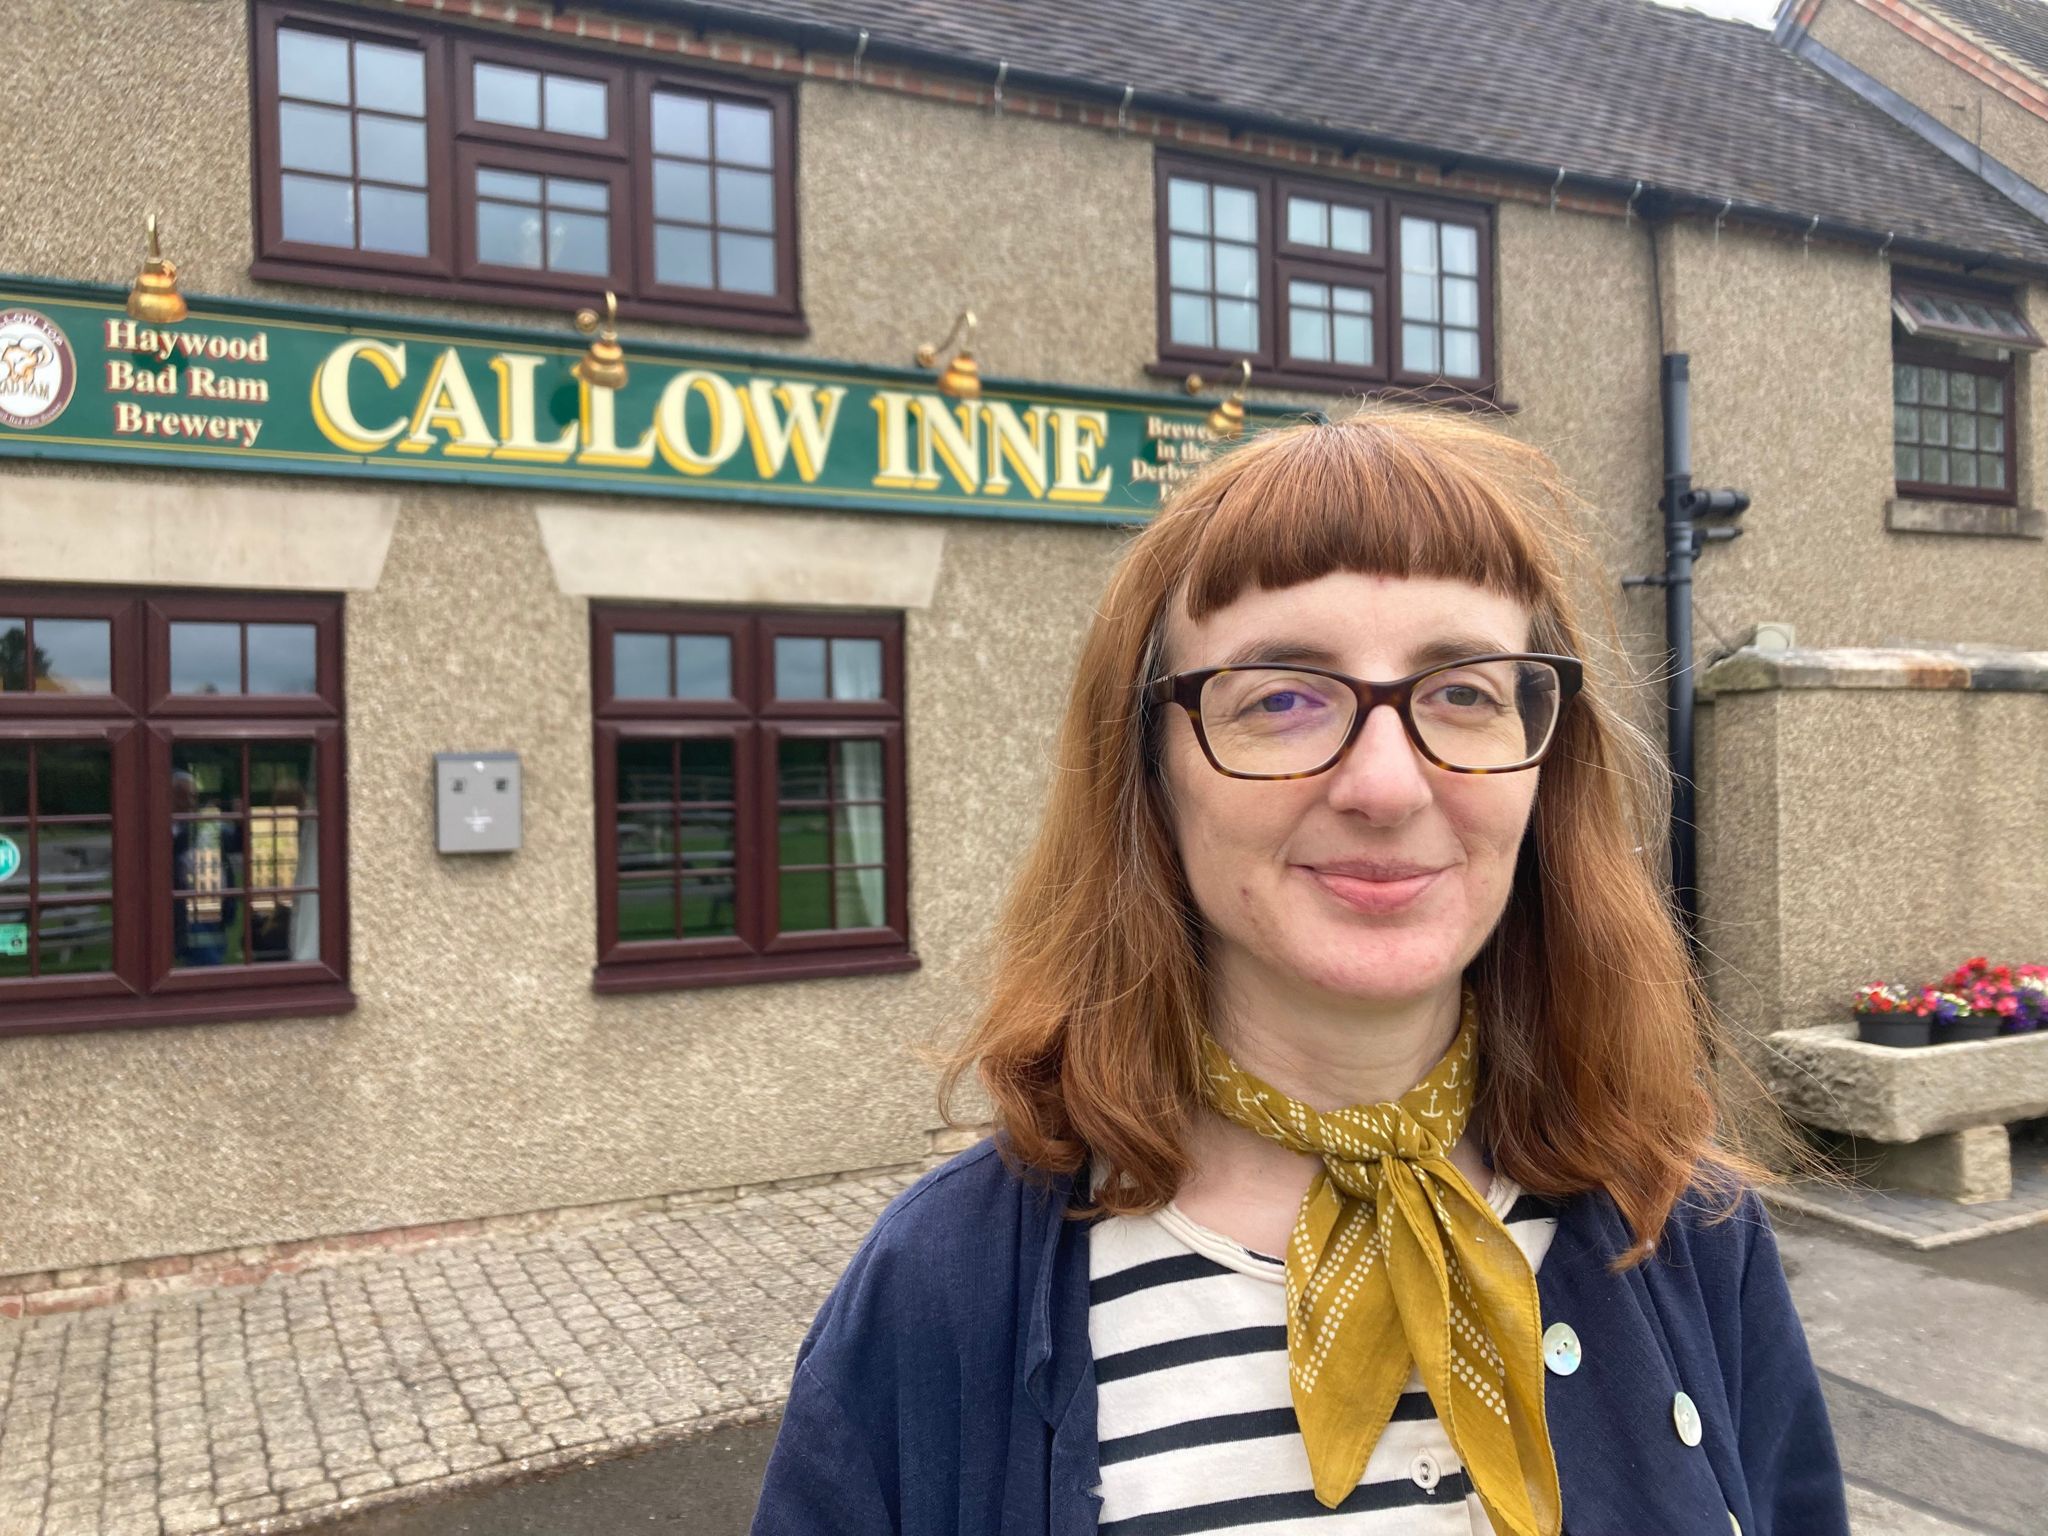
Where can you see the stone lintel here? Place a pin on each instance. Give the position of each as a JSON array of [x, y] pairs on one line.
[[1826, 1077], [1983, 519], [1977, 668]]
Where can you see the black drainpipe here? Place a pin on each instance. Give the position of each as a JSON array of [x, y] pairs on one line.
[[1682, 545]]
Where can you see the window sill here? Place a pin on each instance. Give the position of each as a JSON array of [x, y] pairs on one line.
[[78, 1014], [678, 975], [321, 275], [1980, 519], [1456, 398]]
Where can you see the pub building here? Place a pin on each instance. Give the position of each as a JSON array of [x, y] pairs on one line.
[[541, 548]]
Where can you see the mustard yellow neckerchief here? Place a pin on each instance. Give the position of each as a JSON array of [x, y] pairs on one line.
[[1394, 1258]]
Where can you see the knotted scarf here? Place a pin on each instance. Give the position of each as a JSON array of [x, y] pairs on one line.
[[1394, 1258]]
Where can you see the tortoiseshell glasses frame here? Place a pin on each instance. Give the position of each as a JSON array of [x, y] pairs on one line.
[[1185, 689]]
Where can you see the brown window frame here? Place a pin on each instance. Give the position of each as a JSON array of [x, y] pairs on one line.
[[755, 721], [1279, 261], [1933, 355], [141, 721], [456, 139]]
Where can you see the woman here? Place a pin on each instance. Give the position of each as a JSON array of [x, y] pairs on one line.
[[1355, 1155]]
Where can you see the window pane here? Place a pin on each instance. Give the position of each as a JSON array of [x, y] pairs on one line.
[[800, 838], [579, 242], [75, 940], [1418, 348], [284, 926], [13, 779], [806, 902], [703, 667], [705, 840], [13, 941], [1461, 249], [1461, 301], [1991, 433], [1962, 432], [390, 80], [73, 858], [746, 199], [1187, 206], [509, 96], [1188, 320], [640, 667], [1934, 466], [857, 835], [206, 658], [860, 770], [1418, 245], [1905, 383], [1934, 427], [394, 221], [1906, 463], [13, 661], [803, 769], [1905, 424], [206, 776], [1351, 342], [1461, 354], [576, 106], [281, 659], [1933, 387], [1418, 296], [1991, 471], [647, 842], [591, 196], [1308, 335], [682, 256], [313, 139], [799, 667], [856, 669], [312, 66], [1314, 295], [1962, 469], [1237, 270], [1237, 325], [861, 895], [1237, 214], [1962, 391], [646, 771], [508, 236], [682, 125], [281, 775], [1991, 395], [682, 191], [706, 763], [1351, 230], [1308, 221], [283, 850], [1187, 262], [317, 212], [746, 264], [72, 780], [746, 135], [512, 186], [390, 149], [708, 906], [1357, 301], [74, 656], [647, 910]]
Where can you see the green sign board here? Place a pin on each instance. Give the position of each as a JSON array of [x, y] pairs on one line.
[[13, 939], [272, 389], [10, 858]]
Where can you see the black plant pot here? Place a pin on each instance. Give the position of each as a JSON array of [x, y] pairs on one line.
[[1898, 1029], [1976, 1027]]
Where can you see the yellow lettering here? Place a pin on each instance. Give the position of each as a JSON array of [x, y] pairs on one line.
[[1077, 435], [892, 440], [449, 405], [517, 437], [332, 412], [671, 423], [599, 426], [797, 426], [943, 435], [1009, 441]]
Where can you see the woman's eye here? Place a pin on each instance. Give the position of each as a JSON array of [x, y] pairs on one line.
[[1464, 696], [1282, 702]]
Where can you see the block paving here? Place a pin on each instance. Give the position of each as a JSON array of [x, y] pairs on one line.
[[267, 1407]]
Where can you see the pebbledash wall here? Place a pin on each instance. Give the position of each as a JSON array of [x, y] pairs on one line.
[[478, 1073]]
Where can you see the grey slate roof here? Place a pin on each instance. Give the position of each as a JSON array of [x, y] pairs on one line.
[[2016, 28], [1613, 90]]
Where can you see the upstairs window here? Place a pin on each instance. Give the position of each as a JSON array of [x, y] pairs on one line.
[[425, 159], [1953, 382], [1321, 284]]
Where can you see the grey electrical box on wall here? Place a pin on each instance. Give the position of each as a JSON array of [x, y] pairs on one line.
[[476, 802]]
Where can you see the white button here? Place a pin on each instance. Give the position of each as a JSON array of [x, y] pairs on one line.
[[1734, 1524], [1424, 1470], [1561, 1349], [1687, 1418]]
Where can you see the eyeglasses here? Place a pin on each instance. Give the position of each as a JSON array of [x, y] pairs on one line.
[[1494, 713]]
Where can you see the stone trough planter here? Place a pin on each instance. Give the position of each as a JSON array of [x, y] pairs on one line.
[[1937, 1114]]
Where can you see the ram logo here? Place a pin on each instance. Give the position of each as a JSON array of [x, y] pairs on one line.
[[37, 370]]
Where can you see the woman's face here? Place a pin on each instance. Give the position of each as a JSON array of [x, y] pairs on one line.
[[1282, 870]]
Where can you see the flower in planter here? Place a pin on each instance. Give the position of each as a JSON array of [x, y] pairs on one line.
[[1943, 1007], [1886, 997]]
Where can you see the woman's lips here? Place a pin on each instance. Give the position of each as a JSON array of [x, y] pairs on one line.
[[1374, 896]]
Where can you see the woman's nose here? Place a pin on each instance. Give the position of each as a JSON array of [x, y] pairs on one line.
[[1381, 774]]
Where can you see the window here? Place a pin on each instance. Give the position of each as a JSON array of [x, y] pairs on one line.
[[422, 159], [750, 794], [171, 817], [1953, 383], [1321, 284]]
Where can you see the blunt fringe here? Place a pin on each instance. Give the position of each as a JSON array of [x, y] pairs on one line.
[[1597, 1042]]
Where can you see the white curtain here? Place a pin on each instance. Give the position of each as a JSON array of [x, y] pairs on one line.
[[306, 905], [860, 778]]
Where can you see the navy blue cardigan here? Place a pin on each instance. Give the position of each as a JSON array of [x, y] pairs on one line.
[[947, 1387]]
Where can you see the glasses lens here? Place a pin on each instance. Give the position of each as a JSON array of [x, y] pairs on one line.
[[1488, 714], [1272, 720]]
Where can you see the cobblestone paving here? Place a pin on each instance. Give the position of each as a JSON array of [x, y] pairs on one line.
[[256, 1409]]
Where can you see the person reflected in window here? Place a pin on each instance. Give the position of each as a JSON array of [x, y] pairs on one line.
[[206, 852]]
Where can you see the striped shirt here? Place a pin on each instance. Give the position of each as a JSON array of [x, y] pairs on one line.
[[1195, 1415]]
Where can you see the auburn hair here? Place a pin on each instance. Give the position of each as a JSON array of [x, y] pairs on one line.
[[1596, 1039]]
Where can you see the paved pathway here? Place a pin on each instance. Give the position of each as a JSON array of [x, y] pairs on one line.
[[267, 1408]]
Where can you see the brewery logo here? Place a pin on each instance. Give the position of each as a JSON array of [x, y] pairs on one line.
[[37, 370]]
